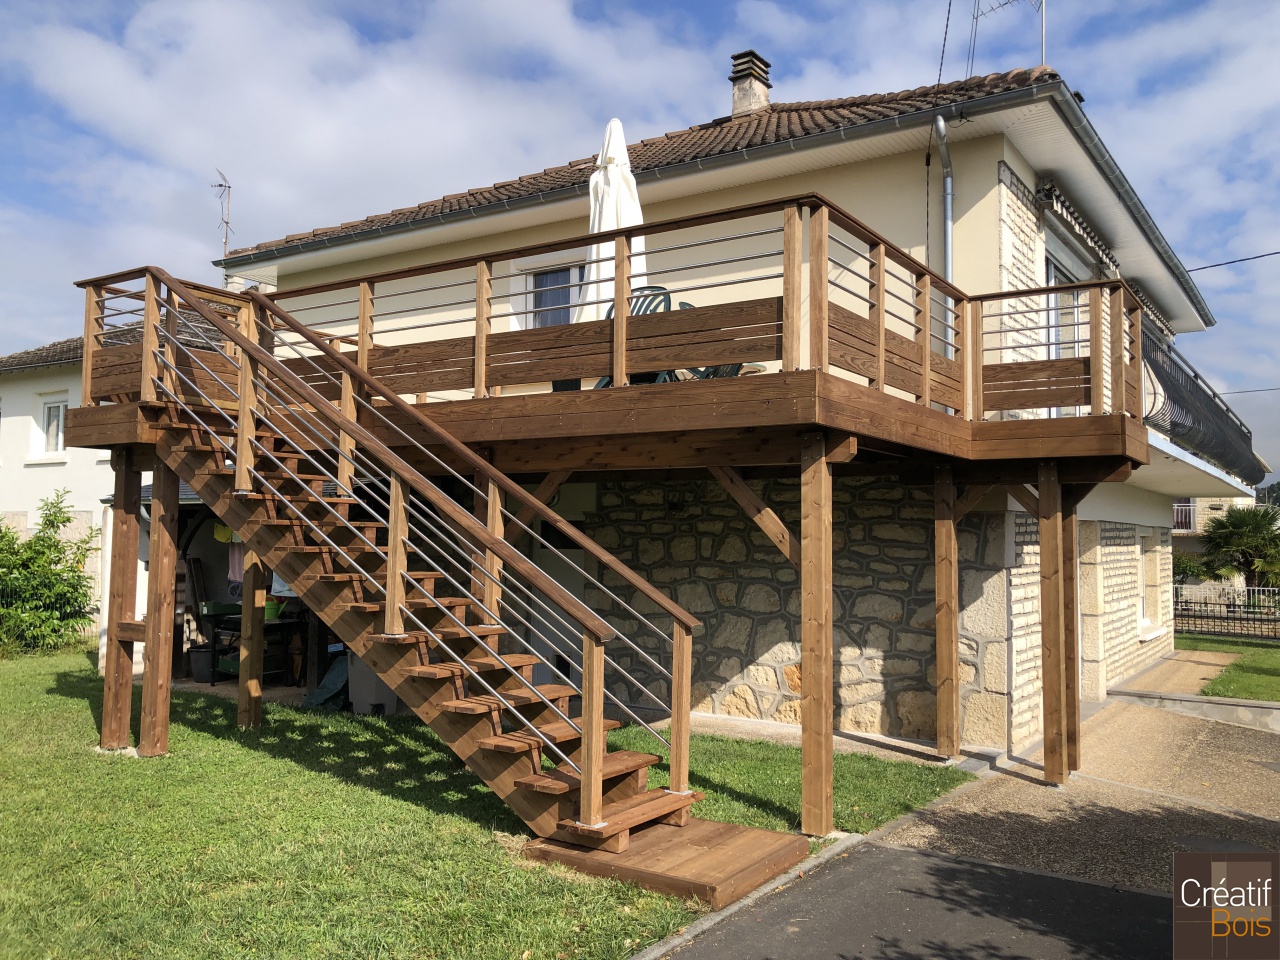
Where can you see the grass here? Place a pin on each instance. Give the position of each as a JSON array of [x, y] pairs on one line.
[[1254, 676], [324, 835]]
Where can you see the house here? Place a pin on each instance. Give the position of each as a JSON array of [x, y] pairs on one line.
[[940, 508], [37, 386]]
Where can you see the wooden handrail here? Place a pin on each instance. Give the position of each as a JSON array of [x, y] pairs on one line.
[[477, 464], [591, 621], [1057, 288]]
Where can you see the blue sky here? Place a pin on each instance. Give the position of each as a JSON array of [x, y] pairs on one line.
[[323, 111]]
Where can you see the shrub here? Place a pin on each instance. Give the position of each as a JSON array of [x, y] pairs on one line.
[[46, 598]]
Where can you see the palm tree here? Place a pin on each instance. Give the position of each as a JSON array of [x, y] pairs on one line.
[[1245, 541]]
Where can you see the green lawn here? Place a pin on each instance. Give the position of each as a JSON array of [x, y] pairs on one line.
[[324, 836], [1254, 676]]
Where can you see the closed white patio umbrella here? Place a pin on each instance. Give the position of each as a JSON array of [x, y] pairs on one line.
[[615, 205]]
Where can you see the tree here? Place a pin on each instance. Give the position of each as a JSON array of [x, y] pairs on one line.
[[1188, 567], [1245, 541], [46, 598]]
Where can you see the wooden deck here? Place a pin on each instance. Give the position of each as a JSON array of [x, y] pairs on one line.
[[717, 863]]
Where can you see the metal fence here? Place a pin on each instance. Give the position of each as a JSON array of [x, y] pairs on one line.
[[1227, 611]]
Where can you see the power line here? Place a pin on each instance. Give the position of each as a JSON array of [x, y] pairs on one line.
[[1232, 393], [1227, 263]]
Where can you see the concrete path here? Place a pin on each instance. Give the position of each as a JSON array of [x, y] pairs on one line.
[[1183, 671], [1009, 867], [879, 903]]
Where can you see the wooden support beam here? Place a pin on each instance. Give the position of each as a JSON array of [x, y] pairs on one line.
[[1097, 381], [841, 448], [346, 442], [364, 325], [819, 288], [253, 641], [246, 415], [1052, 629], [484, 290], [492, 517], [94, 324], [876, 308], [591, 792], [162, 578], [117, 668], [764, 515], [963, 353], [947, 623], [970, 498], [545, 491], [817, 700], [397, 561], [792, 234], [150, 339], [1071, 630], [976, 342], [621, 308], [1029, 501], [681, 681], [924, 335]]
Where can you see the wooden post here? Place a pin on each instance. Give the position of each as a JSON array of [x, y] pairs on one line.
[[397, 561], [792, 235], [246, 421], [947, 587], [253, 641], [876, 307], [162, 576], [484, 289], [819, 288], [150, 339], [978, 406], [924, 335], [170, 347], [621, 308], [117, 669], [591, 795], [346, 442], [1136, 362], [1119, 320], [493, 519], [364, 328], [963, 351], [681, 679], [94, 324], [1097, 381], [817, 700], [1052, 618], [1071, 629]]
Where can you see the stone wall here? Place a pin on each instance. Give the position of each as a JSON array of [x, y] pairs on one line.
[[694, 540], [1024, 615]]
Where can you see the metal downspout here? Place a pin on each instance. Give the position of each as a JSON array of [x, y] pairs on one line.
[[948, 194]]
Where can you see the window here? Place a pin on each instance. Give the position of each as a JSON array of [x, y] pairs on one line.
[[55, 415], [551, 299]]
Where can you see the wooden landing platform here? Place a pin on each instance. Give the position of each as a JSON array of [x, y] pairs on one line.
[[714, 862]]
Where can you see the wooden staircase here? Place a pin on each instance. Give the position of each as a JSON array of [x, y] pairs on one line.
[[426, 587]]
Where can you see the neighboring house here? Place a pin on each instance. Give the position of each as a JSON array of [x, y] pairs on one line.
[[914, 362], [37, 387]]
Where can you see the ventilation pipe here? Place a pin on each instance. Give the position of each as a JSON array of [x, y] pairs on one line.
[[948, 195]]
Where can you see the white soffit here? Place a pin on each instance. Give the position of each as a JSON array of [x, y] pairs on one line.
[[1179, 473]]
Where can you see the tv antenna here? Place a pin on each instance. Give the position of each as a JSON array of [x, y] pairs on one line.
[[983, 8], [223, 186]]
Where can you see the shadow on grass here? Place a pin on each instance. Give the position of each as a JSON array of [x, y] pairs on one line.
[[398, 756]]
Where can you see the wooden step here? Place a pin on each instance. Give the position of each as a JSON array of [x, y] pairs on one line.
[[486, 703], [557, 732], [440, 671], [513, 660], [296, 501], [632, 812], [565, 779], [338, 577]]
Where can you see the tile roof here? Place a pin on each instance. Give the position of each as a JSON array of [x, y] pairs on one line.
[[70, 350], [775, 123]]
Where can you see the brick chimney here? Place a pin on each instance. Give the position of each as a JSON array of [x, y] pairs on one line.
[[751, 84]]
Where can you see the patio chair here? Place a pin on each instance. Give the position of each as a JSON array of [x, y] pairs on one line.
[[645, 300]]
